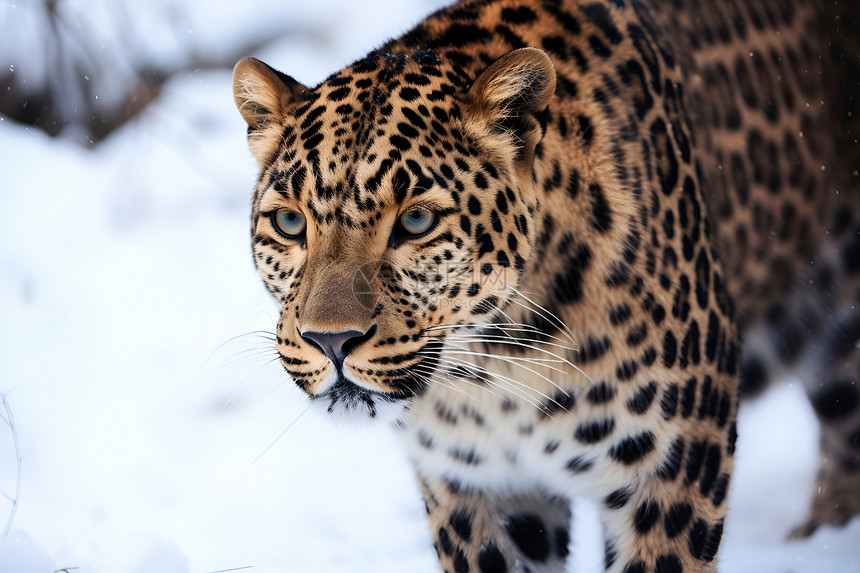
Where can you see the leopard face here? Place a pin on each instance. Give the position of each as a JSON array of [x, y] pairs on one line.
[[393, 204]]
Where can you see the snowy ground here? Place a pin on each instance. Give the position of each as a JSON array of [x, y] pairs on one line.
[[143, 424]]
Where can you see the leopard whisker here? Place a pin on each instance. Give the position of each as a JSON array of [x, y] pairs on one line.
[[514, 386], [518, 389], [256, 337], [516, 360], [520, 359], [501, 326], [281, 435], [438, 378], [489, 379], [543, 312], [504, 384], [502, 340], [520, 364], [495, 337], [453, 377], [249, 354], [233, 399], [487, 341]]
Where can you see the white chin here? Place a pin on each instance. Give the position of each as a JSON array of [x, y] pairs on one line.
[[351, 404]]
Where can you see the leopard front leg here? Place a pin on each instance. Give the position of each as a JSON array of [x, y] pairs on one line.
[[491, 533], [672, 521]]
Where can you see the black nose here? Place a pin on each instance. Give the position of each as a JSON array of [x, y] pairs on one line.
[[336, 345]]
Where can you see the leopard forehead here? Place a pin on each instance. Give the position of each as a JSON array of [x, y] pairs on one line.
[[384, 133]]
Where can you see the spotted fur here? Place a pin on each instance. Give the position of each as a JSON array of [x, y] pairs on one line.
[[620, 191]]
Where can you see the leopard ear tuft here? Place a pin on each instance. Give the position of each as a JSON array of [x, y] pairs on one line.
[[263, 94], [506, 104]]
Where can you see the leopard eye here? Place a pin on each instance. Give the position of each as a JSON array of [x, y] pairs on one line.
[[290, 224], [417, 221]]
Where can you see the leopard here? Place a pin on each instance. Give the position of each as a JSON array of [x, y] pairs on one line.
[[552, 243]]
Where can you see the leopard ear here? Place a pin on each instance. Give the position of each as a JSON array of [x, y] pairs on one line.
[[263, 94], [507, 103]]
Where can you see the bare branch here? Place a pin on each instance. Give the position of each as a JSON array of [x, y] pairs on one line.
[[76, 63], [10, 421]]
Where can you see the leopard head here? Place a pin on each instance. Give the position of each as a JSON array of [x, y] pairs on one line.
[[393, 204]]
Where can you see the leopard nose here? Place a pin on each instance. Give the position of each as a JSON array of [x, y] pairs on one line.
[[337, 345]]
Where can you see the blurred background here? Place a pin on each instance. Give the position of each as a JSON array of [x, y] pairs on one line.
[[144, 423]]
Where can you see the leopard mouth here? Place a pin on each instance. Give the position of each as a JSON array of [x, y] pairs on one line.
[[346, 396]]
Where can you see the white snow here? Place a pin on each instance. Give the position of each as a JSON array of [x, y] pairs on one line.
[[144, 426]]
